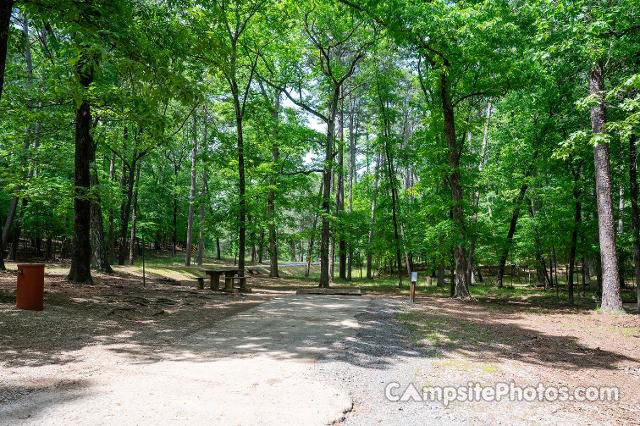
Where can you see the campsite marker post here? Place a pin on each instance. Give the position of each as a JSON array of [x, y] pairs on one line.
[[414, 280]]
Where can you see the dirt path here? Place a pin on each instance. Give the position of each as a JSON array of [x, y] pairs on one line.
[[251, 368]]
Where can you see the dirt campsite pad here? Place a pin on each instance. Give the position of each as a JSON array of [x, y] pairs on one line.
[[110, 352], [528, 344], [115, 352]]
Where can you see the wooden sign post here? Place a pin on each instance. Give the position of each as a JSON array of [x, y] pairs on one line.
[[414, 281]]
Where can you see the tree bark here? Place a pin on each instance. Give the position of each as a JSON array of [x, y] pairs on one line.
[[342, 246], [512, 229], [541, 266], [128, 181], [313, 236], [635, 214], [13, 205], [203, 192], [242, 203], [440, 275], [621, 253], [292, 246], [5, 14], [80, 271], [174, 233], [134, 216], [100, 250], [611, 300], [574, 234], [6, 7], [483, 153], [192, 193], [461, 287], [352, 166], [111, 244], [372, 219], [326, 194], [386, 133], [271, 197]]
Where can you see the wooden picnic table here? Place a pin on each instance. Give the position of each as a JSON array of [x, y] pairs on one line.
[[214, 276]]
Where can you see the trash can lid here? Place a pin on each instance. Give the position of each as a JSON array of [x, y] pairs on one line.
[[30, 265]]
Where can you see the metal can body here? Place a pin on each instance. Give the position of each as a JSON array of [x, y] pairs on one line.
[[30, 290]]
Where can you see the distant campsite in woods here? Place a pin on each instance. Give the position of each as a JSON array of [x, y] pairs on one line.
[[275, 211]]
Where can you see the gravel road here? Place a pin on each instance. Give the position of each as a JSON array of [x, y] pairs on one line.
[[381, 353]]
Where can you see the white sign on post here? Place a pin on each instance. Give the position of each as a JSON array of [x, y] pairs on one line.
[[414, 277]]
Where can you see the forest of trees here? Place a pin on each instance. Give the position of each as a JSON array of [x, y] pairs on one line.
[[458, 137]]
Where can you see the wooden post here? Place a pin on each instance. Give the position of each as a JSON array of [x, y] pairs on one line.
[[414, 279]]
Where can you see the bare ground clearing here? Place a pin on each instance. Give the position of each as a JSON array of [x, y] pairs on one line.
[[527, 343], [87, 333]]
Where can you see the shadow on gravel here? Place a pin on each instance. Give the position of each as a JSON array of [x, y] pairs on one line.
[[114, 310], [31, 399], [165, 322], [487, 332], [356, 330]]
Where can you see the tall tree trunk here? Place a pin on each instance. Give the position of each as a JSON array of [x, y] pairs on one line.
[[125, 208], [13, 204], [218, 254], [541, 266], [372, 219], [621, 253], [342, 245], [611, 300], [174, 233], [111, 244], [512, 230], [261, 246], [472, 252], [271, 197], [100, 250], [621, 210], [80, 271], [292, 245], [134, 216], [461, 287], [6, 7], [313, 236], [200, 255], [574, 234], [394, 212], [635, 214], [440, 281], [326, 195], [483, 153], [16, 232], [203, 191], [352, 166], [332, 256], [242, 202], [192, 193], [386, 129]]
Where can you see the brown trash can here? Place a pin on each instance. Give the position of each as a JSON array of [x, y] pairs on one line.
[[30, 291]]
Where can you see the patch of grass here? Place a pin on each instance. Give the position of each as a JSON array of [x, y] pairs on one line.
[[442, 331], [630, 331]]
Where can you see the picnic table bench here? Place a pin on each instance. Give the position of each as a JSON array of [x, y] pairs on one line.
[[230, 276]]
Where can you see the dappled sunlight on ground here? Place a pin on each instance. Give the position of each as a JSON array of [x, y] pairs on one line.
[[529, 344]]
